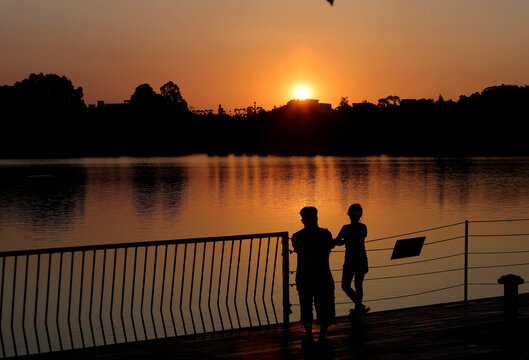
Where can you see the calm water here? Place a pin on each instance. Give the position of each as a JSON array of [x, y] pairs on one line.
[[55, 203], [92, 201]]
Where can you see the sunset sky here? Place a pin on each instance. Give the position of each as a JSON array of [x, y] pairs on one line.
[[235, 52]]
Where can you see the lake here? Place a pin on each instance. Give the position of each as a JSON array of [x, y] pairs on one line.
[[68, 202]]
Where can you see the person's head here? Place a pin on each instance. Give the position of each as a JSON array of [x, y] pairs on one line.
[[355, 212], [309, 216]]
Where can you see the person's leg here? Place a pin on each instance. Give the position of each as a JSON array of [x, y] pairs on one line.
[[308, 330], [324, 304], [305, 307], [347, 278], [359, 282], [323, 331]]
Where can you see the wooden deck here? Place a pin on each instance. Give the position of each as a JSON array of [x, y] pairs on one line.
[[449, 331]]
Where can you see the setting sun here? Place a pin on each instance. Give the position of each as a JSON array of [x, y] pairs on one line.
[[302, 93]]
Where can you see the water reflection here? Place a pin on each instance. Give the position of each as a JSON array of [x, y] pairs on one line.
[[440, 180], [112, 200], [240, 180], [251, 176], [460, 175], [43, 197], [354, 181], [172, 189], [285, 171], [154, 185], [144, 188], [223, 180], [263, 178]]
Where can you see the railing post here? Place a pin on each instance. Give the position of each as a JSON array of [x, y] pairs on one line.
[[510, 284], [466, 262], [286, 279]]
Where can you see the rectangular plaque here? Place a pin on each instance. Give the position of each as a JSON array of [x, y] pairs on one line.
[[405, 248]]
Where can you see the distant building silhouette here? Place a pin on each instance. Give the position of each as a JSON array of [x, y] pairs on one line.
[[101, 105], [311, 103]]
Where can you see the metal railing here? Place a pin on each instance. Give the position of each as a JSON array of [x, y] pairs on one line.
[[462, 234], [78, 297]]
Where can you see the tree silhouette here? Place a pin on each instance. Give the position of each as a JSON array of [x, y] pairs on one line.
[[45, 93], [40, 116], [144, 96], [389, 101], [344, 104], [170, 92]]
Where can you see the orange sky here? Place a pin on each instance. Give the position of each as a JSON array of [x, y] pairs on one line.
[[235, 52]]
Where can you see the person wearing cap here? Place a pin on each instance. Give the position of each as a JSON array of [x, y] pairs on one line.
[[314, 281], [355, 264]]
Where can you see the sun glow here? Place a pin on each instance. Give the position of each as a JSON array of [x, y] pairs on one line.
[[302, 93]]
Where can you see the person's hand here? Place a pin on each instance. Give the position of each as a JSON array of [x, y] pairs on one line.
[[338, 243]]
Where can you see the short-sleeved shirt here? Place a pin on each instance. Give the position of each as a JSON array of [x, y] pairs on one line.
[[313, 246], [355, 252]]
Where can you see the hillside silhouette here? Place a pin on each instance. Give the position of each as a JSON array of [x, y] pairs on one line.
[[45, 116]]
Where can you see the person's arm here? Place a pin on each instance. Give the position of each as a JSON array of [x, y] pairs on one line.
[[295, 243], [330, 240], [339, 239]]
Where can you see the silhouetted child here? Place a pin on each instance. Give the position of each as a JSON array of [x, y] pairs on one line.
[[355, 265], [314, 280]]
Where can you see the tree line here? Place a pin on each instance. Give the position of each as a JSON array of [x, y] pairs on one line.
[[45, 115]]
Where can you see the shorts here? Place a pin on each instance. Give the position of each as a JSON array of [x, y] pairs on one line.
[[358, 267], [322, 294]]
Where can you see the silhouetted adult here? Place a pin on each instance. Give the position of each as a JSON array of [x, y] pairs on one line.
[[314, 280], [355, 265]]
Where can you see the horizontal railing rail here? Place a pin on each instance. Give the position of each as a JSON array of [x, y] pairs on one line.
[[85, 296], [138, 244]]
